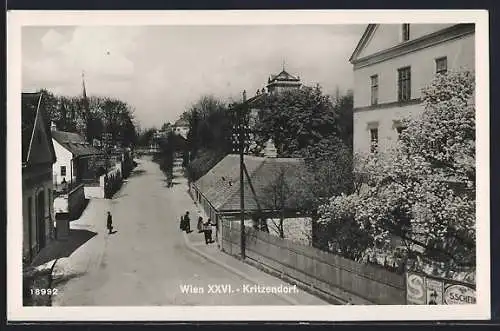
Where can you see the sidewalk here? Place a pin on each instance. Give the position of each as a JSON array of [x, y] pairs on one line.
[[87, 245], [196, 242]]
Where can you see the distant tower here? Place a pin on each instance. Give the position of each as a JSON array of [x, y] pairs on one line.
[[283, 82], [83, 124]]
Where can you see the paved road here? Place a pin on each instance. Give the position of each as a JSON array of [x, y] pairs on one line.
[[146, 261]]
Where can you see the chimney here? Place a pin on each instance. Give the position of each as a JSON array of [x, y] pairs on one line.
[[53, 126]]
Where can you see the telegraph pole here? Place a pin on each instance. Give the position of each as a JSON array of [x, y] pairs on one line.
[[242, 188]]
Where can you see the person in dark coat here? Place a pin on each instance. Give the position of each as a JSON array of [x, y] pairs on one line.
[[199, 226], [207, 229], [187, 223], [109, 223]]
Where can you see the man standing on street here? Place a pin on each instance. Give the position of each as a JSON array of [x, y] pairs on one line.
[[109, 224], [186, 223]]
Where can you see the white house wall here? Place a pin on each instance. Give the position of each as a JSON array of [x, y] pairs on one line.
[[63, 157], [460, 55], [387, 134]]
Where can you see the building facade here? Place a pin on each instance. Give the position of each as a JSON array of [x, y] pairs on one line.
[[392, 63], [77, 160], [38, 156], [181, 128]]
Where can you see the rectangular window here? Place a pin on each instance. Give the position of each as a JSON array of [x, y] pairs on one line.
[[374, 88], [441, 65], [405, 32], [404, 84], [63, 170], [373, 139]]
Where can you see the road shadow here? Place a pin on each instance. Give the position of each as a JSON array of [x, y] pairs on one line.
[[113, 232], [172, 183], [118, 196], [63, 247], [136, 173]]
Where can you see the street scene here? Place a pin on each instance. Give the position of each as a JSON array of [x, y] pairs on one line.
[[146, 262], [161, 170]]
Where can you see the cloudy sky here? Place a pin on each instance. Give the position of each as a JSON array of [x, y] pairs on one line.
[[162, 70]]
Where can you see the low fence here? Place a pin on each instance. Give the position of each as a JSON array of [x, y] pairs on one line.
[[95, 190], [106, 185], [328, 274], [71, 204], [76, 201]]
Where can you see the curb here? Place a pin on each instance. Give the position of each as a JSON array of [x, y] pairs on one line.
[[231, 269]]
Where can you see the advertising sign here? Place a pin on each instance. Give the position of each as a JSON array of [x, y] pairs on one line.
[[415, 291], [434, 290], [429, 290], [459, 294]]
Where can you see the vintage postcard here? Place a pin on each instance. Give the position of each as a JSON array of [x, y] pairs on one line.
[[248, 165]]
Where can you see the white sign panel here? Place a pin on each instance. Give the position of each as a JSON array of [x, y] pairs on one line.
[[415, 289], [459, 295]]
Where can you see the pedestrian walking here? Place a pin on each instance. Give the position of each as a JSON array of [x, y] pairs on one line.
[[199, 226], [207, 229], [186, 223], [109, 223]]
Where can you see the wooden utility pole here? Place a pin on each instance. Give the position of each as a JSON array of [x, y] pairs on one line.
[[242, 177]]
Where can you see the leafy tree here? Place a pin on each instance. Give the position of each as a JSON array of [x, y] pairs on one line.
[[92, 117], [210, 125], [422, 191], [166, 157], [145, 137], [296, 119], [343, 106]]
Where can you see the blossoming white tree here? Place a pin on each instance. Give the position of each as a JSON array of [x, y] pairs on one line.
[[423, 191]]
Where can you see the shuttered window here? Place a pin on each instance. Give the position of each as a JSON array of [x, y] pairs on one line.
[[404, 84]]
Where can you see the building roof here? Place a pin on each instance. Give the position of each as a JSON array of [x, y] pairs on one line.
[[74, 143], [31, 109], [181, 122], [257, 100], [362, 42], [221, 185], [429, 39], [283, 76], [30, 103]]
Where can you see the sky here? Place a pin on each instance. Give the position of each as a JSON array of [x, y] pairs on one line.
[[162, 70]]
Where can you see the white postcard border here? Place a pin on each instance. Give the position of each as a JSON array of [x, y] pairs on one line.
[[15, 310]]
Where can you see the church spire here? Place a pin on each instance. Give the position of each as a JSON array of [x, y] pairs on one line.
[[86, 110], [83, 86]]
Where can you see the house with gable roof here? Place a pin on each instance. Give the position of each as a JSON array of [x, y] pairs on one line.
[[77, 160], [38, 156], [391, 64], [218, 191]]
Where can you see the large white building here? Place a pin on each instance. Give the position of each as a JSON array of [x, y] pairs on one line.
[[392, 63]]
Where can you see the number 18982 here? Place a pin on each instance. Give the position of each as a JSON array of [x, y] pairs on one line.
[[43, 291]]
